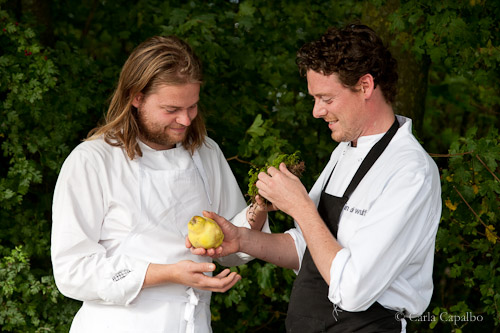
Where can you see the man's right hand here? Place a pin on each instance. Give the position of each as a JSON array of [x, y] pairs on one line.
[[230, 243], [278, 249]]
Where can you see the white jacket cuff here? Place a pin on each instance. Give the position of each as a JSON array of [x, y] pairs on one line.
[[124, 285], [336, 269], [300, 245]]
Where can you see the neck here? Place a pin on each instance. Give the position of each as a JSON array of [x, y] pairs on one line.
[[156, 146], [379, 117]]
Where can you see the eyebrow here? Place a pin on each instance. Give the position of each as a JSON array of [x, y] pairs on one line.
[[177, 107]]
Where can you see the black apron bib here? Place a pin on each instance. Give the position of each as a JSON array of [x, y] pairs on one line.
[[309, 309]]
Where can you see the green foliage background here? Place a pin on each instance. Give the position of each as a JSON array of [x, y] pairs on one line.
[[59, 63]]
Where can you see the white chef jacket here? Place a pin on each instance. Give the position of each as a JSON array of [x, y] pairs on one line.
[[112, 216], [388, 226]]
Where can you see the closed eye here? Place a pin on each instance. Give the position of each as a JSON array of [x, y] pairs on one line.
[[172, 110], [326, 100]]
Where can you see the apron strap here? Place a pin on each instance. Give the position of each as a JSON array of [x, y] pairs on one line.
[[371, 157], [189, 310]]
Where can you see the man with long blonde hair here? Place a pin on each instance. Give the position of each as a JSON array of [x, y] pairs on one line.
[[124, 197]]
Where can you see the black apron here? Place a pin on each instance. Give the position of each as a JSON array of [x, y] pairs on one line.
[[309, 309]]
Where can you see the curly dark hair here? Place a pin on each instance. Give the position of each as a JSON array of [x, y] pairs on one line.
[[350, 53]]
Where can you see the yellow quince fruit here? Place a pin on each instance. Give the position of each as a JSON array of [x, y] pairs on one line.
[[204, 232]]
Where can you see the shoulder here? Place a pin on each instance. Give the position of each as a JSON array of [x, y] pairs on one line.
[[96, 152], [407, 155], [211, 156], [210, 149], [210, 144], [94, 146]]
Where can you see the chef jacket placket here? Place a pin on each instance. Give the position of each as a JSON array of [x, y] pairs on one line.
[[309, 309], [167, 203]]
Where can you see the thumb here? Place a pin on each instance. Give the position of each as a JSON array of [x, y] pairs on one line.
[[285, 170], [188, 243], [217, 218], [205, 267]]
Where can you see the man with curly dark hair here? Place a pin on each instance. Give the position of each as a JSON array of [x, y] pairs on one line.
[[358, 51], [365, 234]]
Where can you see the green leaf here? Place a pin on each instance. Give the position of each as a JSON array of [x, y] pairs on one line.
[[256, 129]]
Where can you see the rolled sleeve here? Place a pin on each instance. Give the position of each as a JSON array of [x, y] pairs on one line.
[[336, 270], [300, 244]]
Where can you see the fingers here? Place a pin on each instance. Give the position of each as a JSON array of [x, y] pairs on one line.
[[206, 266], [285, 170], [266, 179], [271, 171], [199, 251], [265, 206], [217, 218], [224, 273], [260, 201], [214, 251], [225, 280], [222, 282], [261, 205], [231, 232], [194, 274], [209, 214]]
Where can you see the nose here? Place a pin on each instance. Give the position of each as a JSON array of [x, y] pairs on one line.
[[318, 110], [184, 118]]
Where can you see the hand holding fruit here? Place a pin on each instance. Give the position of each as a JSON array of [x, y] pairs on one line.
[[204, 232], [229, 240]]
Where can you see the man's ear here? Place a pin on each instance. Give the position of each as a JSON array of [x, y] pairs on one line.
[[138, 99], [367, 85]]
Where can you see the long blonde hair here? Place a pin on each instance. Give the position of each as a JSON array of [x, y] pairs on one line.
[[155, 62]]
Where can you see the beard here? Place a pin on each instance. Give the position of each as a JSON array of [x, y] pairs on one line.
[[156, 133]]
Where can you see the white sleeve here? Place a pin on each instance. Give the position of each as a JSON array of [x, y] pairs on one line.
[[398, 226], [300, 244], [82, 269]]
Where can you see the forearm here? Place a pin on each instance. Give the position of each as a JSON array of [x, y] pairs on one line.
[[320, 241], [287, 193], [158, 274], [278, 249]]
